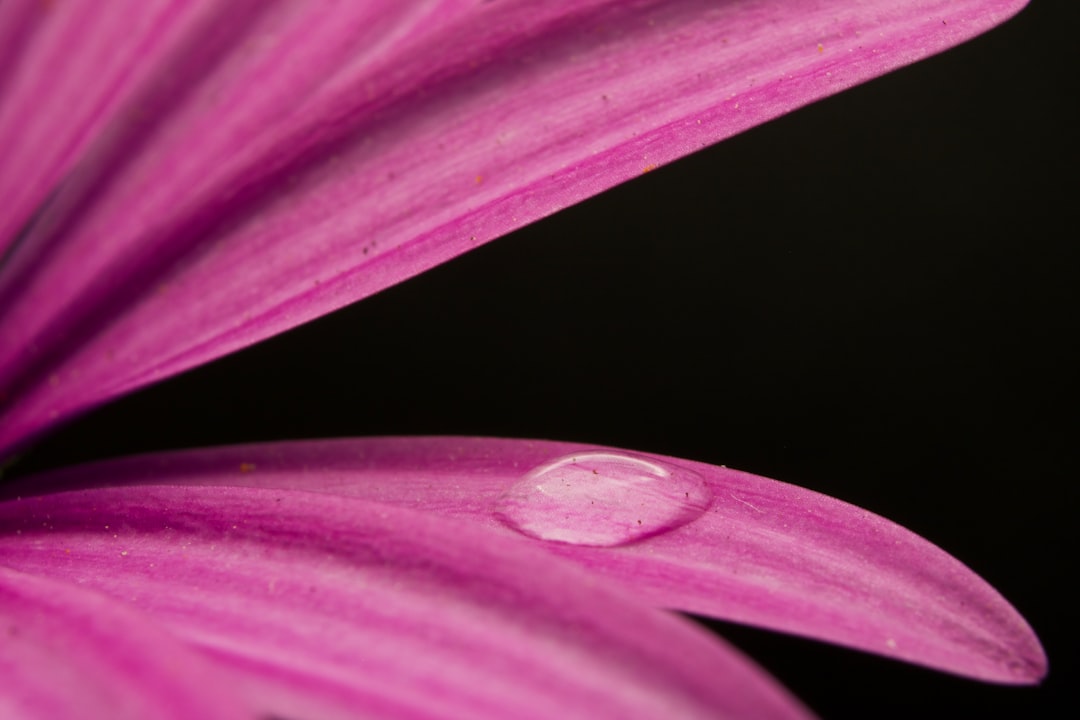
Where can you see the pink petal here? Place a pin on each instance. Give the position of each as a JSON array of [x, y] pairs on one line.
[[261, 164], [328, 606], [69, 652], [711, 540]]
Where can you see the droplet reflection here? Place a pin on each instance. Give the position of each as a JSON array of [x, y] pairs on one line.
[[603, 499]]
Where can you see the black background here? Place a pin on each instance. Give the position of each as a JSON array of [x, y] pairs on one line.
[[874, 297]]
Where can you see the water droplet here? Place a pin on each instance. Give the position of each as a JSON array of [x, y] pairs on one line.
[[603, 499]]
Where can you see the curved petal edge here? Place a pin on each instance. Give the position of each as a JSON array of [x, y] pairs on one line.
[[680, 534]]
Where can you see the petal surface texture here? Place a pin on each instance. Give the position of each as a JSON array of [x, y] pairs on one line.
[[184, 178], [69, 652], [328, 606], [674, 533]]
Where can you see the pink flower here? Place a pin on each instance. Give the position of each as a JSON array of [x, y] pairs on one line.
[[189, 178]]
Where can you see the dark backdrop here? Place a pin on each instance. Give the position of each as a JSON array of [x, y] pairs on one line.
[[874, 297]]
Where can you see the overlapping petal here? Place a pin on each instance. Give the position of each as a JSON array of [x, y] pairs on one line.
[[191, 177], [320, 605], [751, 550]]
